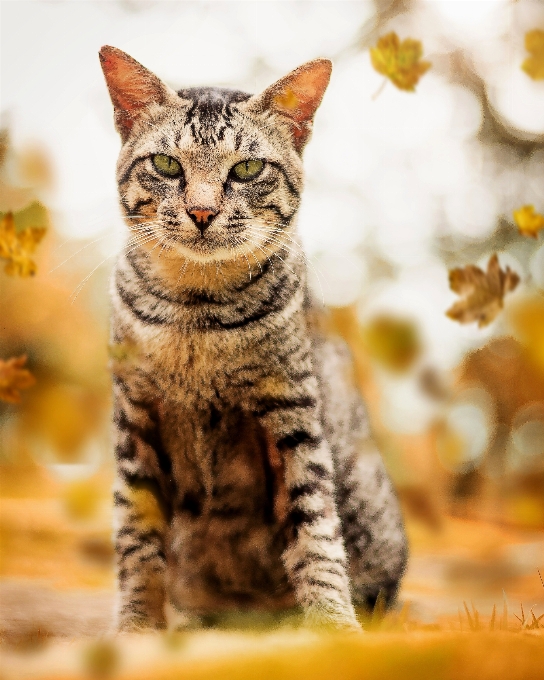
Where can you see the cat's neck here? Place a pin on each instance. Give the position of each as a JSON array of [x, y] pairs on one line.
[[178, 273]]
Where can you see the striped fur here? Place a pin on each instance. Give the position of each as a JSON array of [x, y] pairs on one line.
[[246, 474]]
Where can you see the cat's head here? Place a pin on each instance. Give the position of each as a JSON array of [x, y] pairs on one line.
[[211, 174]]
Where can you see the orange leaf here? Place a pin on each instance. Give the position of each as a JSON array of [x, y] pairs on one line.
[[399, 61], [528, 221], [482, 292], [534, 65], [17, 246], [13, 377]]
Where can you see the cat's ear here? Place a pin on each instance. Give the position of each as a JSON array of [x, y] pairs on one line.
[[132, 87], [296, 97]]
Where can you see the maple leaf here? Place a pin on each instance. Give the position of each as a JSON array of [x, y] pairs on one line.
[[528, 221], [17, 246], [399, 61], [13, 377], [534, 65], [483, 292]]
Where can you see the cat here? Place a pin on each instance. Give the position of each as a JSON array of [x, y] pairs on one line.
[[246, 475]]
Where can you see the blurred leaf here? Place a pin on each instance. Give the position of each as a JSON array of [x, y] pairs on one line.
[[482, 292], [65, 417], [98, 550], [526, 318], [17, 246], [101, 659], [534, 65], [399, 61], [392, 342], [528, 221], [35, 167], [13, 377], [81, 499]]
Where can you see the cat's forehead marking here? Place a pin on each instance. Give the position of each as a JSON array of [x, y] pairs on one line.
[[210, 114]]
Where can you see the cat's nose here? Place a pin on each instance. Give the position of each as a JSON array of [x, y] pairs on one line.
[[202, 217]]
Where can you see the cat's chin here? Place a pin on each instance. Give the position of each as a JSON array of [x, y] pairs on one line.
[[211, 253]]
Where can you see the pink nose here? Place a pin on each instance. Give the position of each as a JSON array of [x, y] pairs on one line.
[[202, 217]]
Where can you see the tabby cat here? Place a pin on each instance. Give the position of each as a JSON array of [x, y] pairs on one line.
[[246, 478]]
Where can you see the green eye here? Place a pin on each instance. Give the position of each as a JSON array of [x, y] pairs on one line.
[[248, 169], [166, 165]]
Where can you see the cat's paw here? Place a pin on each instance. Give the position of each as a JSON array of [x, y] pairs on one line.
[[332, 618]]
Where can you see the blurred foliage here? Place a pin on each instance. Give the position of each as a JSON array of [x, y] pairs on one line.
[[394, 343], [16, 246], [101, 659], [529, 222], [482, 292], [534, 65], [399, 61], [526, 318], [81, 499], [13, 378]]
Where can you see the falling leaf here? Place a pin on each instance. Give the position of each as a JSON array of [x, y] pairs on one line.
[[528, 221], [13, 377], [399, 61], [482, 292], [392, 342], [534, 65], [17, 246]]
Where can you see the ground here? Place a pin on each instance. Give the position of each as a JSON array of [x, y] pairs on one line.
[[56, 594]]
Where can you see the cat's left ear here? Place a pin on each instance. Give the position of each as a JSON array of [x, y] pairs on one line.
[[296, 97], [132, 87]]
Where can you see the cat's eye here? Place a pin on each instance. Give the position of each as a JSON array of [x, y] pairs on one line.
[[247, 169], [166, 165]]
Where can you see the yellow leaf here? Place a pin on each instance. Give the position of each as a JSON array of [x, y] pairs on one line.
[[13, 377], [534, 65], [399, 61], [528, 221], [392, 342], [482, 292], [17, 246]]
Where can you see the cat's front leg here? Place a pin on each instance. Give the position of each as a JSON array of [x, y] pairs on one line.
[[315, 558], [140, 514]]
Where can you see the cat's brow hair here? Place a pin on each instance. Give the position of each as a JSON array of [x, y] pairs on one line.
[[246, 475]]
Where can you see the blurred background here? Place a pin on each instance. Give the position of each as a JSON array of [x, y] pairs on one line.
[[401, 188]]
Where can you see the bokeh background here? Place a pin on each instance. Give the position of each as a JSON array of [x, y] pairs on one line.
[[401, 188]]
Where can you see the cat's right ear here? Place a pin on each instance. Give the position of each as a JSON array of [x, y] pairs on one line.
[[132, 87]]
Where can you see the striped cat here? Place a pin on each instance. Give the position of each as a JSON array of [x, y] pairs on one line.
[[246, 476]]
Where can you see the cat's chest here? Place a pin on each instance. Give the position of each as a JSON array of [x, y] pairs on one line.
[[190, 366]]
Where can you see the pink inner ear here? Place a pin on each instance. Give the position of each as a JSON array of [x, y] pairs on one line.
[[300, 98], [131, 86], [298, 95]]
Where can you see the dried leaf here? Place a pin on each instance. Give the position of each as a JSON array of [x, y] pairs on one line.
[[528, 221], [392, 342], [399, 61], [534, 65], [13, 377], [17, 246], [482, 292]]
